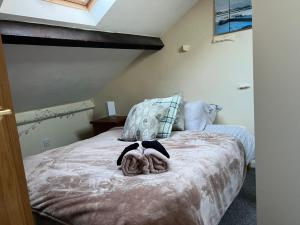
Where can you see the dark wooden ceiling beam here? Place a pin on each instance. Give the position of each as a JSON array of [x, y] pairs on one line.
[[14, 32]]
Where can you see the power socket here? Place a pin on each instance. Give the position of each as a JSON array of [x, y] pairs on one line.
[[46, 144]]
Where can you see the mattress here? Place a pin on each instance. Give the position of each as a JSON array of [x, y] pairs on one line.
[[80, 184]]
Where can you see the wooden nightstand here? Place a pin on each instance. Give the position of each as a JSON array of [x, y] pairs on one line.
[[106, 123]]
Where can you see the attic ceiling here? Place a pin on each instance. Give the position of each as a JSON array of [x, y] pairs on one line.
[[43, 76], [144, 17], [147, 17]]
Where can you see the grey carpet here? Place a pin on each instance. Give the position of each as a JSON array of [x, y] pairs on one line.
[[243, 209]]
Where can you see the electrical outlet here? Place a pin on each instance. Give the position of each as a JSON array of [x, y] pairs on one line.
[[46, 144]]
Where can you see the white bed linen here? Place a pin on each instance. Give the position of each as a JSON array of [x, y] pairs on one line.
[[239, 132]]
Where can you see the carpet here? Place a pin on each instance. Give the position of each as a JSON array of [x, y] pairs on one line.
[[243, 209]]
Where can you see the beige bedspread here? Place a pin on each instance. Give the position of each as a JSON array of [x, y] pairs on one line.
[[80, 184]]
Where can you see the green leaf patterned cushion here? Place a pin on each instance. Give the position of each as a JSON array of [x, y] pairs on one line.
[[166, 123], [143, 121]]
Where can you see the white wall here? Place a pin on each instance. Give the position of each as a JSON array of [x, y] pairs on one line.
[[211, 72], [277, 110], [60, 128]]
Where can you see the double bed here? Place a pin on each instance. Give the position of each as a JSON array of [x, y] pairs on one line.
[[80, 184]]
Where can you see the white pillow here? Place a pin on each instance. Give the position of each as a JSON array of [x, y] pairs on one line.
[[213, 112], [198, 114]]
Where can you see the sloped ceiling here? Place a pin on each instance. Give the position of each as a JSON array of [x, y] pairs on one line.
[[148, 17], [43, 76]]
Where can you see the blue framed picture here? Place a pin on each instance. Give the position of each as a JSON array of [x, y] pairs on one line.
[[232, 15]]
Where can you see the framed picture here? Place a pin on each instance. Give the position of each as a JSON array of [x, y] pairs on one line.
[[232, 15]]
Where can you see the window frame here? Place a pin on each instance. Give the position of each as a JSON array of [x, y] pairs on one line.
[[67, 3]]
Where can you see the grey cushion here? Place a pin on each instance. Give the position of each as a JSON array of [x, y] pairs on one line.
[[143, 121], [198, 114]]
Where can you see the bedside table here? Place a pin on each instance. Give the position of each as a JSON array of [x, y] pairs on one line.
[[104, 124]]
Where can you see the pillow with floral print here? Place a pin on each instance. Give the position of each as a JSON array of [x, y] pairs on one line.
[[143, 121]]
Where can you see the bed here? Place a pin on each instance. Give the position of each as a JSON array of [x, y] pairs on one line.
[[80, 184]]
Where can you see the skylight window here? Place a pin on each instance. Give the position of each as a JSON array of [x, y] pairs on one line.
[[79, 4]]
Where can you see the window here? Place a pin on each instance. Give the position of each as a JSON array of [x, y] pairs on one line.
[[79, 4]]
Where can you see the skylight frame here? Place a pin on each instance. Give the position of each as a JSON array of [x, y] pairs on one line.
[[73, 4], [80, 2]]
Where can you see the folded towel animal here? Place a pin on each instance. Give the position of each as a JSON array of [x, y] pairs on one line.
[[134, 163], [152, 159], [158, 163], [157, 146], [127, 149]]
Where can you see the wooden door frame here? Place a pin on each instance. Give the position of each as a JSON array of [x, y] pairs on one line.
[[15, 206]]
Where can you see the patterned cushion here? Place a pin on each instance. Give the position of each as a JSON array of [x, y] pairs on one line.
[[166, 123], [143, 121], [179, 121]]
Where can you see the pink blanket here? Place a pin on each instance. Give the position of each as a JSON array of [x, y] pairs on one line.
[[80, 184]]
